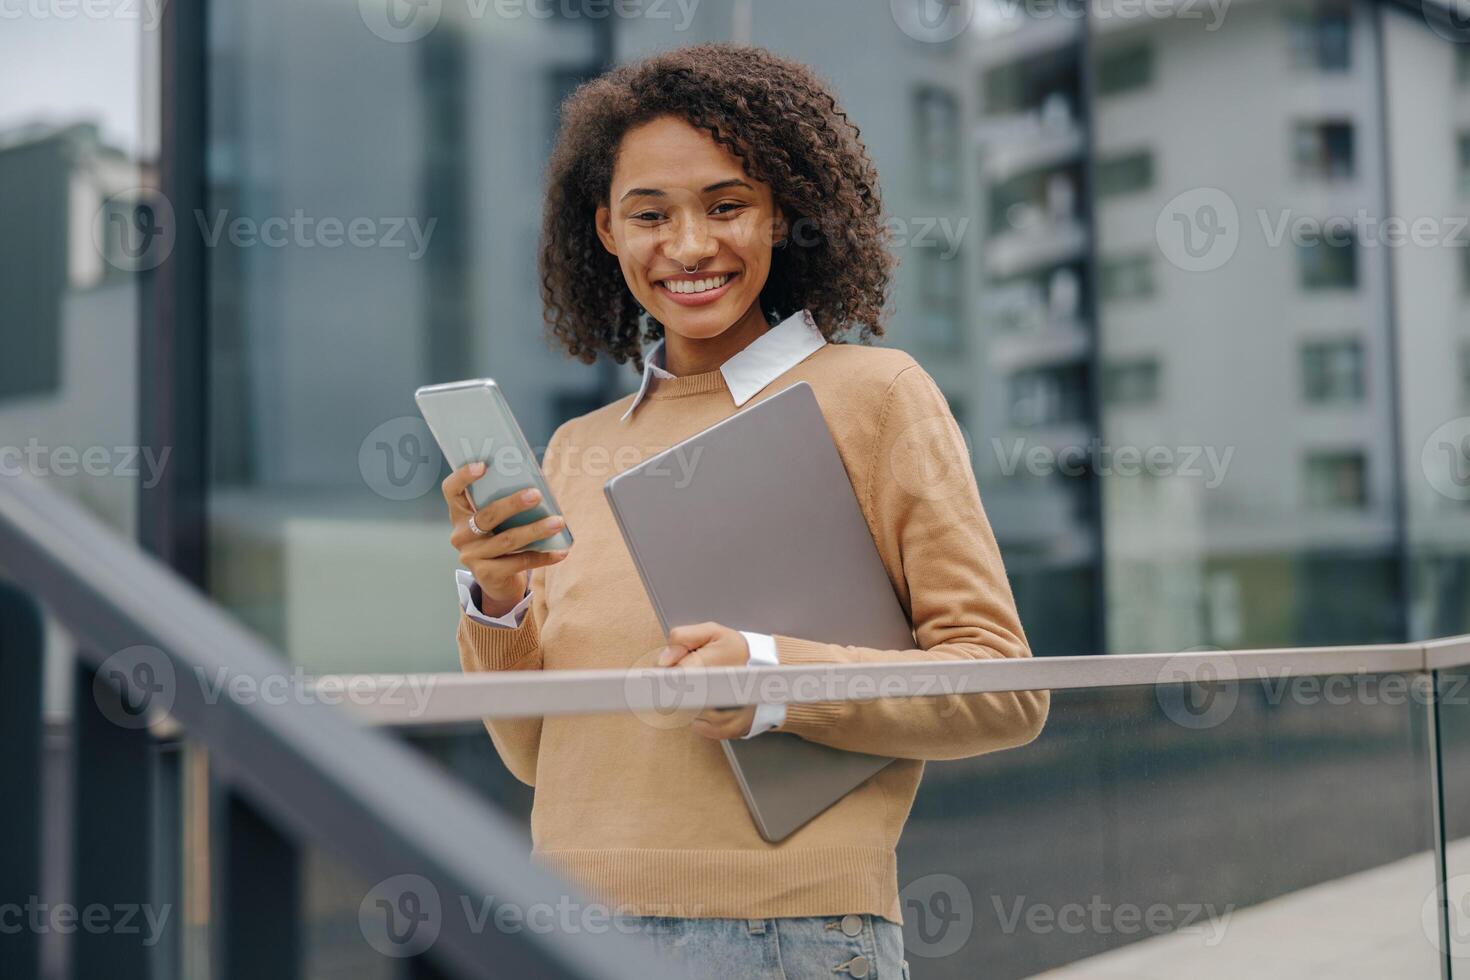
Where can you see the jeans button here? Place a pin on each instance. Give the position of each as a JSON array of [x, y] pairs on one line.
[[857, 967], [852, 925]]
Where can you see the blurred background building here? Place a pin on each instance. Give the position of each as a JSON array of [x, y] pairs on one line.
[[1191, 426]]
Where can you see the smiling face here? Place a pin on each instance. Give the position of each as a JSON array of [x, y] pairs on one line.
[[679, 199]]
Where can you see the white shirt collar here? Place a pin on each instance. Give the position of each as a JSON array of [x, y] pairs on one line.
[[763, 360]]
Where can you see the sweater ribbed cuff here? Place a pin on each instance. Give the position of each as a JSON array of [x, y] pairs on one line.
[[496, 647], [808, 718]]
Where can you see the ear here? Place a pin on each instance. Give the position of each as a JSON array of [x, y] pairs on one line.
[[780, 228], [603, 221]]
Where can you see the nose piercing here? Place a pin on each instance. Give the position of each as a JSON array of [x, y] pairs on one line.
[[691, 269]]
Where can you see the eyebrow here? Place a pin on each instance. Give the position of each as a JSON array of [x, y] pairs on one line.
[[655, 192]]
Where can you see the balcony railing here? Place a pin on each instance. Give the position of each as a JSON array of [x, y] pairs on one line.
[[297, 772]]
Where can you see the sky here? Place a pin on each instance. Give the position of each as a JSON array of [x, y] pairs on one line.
[[58, 65]]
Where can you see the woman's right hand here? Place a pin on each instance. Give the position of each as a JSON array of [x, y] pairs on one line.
[[498, 562]]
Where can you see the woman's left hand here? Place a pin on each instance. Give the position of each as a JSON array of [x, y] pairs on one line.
[[711, 645]]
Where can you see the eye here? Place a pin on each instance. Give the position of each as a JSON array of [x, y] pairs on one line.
[[647, 216], [727, 207]]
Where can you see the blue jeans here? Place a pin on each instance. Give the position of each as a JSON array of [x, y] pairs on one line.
[[835, 947]]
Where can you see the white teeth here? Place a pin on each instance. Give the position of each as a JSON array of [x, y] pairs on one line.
[[695, 285]]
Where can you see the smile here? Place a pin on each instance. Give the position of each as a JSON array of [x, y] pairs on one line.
[[697, 292], [685, 286]]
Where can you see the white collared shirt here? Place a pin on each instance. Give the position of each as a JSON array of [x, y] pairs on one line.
[[747, 372]]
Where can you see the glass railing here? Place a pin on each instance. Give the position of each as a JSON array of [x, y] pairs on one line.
[[1293, 812]]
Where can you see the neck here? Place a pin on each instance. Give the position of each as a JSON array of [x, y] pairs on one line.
[[686, 355]]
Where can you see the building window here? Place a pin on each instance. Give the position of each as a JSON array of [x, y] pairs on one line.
[[1321, 38], [1465, 373], [1335, 480], [1332, 371], [1464, 144], [937, 114], [940, 298], [1131, 383], [1048, 396], [1125, 70], [1127, 174], [1330, 262], [1126, 277], [1324, 150]]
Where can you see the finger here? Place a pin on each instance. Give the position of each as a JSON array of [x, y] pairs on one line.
[[672, 654], [455, 485], [696, 635], [505, 542], [505, 567], [501, 509]]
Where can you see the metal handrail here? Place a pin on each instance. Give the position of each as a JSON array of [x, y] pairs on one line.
[[429, 699], [355, 792]]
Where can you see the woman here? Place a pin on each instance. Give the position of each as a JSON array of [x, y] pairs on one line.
[[716, 200]]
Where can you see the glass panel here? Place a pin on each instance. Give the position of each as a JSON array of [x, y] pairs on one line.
[[1454, 758], [1427, 111], [1179, 831], [1266, 322]]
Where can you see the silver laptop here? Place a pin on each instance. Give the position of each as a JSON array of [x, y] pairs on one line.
[[766, 491]]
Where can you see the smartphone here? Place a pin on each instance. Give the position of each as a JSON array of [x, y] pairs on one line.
[[472, 423]]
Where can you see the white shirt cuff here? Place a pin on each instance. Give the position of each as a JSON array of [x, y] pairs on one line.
[[763, 654], [469, 591]]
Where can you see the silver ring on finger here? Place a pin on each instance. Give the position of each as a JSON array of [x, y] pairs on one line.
[[475, 528]]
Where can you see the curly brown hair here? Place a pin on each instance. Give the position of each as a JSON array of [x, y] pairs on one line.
[[784, 125]]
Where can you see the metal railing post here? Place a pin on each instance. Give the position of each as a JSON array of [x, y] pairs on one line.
[[259, 895], [113, 830], [22, 642]]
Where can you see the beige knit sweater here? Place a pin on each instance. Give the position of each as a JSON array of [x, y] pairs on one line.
[[649, 817]]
